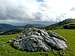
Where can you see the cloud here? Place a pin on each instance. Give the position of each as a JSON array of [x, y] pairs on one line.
[[36, 10]]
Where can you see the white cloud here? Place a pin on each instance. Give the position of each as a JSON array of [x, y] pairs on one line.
[[42, 10]]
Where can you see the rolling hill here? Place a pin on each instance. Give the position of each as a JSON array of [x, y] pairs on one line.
[[13, 31], [61, 24], [69, 34], [35, 25], [6, 27]]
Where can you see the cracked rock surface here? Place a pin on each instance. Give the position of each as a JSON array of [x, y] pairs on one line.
[[33, 39]]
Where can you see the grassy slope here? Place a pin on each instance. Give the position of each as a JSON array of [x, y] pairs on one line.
[[61, 24], [7, 50], [70, 36]]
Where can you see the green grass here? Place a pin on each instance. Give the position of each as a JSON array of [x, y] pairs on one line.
[[7, 50], [5, 38], [60, 25], [70, 36]]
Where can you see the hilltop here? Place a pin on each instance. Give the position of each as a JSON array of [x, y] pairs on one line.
[[61, 24]]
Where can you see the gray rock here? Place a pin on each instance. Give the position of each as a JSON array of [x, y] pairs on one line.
[[33, 39]]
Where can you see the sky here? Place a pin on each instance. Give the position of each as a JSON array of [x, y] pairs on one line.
[[14, 11]]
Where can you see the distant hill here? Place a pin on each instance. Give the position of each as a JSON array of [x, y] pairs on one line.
[[61, 24], [6, 27], [13, 31], [35, 25]]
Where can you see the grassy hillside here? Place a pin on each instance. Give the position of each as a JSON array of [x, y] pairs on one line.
[[61, 24], [70, 36], [7, 50]]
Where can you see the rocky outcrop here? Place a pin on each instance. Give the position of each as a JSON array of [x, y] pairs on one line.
[[33, 39]]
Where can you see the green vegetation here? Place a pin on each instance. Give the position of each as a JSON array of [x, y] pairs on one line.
[[7, 50], [61, 24], [10, 32], [6, 38], [70, 36], [69, 26]]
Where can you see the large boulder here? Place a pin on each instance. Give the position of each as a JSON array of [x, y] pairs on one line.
[[33, 39]]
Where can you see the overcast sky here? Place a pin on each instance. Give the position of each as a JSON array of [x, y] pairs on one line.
[[36, 10]]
